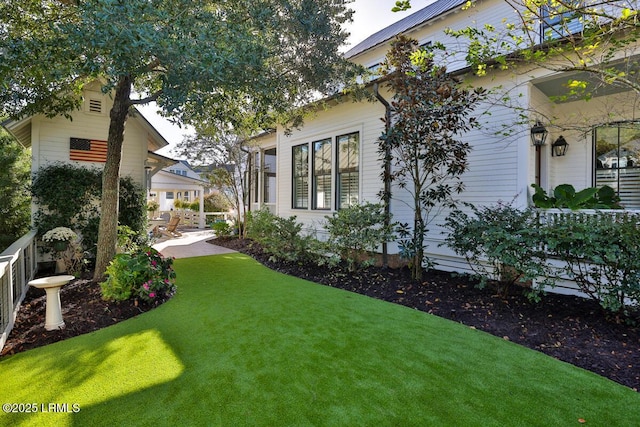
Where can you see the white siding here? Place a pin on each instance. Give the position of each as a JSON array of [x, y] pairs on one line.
[[343, 118], [493, 12], [50, 139]]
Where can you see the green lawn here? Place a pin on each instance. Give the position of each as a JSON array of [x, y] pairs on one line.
[[242, 345]]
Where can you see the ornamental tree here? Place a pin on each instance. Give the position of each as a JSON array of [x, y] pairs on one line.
[[229, 158], [225, 61], [430, 111]]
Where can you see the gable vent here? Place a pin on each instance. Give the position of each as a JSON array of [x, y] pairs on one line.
[[95, 106]]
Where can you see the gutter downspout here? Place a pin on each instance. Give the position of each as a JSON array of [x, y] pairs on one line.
[[386, 174]]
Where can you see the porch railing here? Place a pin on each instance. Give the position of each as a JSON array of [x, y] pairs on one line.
[[565, 284], [192, 218], [18, 265], [551, 216]]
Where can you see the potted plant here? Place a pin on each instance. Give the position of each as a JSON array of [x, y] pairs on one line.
[[152, 207], [59, 239]]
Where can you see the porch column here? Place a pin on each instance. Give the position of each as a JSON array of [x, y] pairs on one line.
[[201, 221]]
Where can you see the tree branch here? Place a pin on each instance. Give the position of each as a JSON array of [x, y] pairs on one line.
[[148, 99]]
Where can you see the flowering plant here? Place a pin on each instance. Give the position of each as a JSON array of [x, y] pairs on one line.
[[59, 234], [143, 274]]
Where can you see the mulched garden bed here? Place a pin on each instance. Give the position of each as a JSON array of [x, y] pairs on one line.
[[83, 311]]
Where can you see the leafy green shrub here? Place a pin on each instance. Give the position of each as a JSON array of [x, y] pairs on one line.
[[69, 196], [565, 196], [143, 274], [15, 178], [216, 202], [129, 240], [279, 237], [222, 229], [357, 231], [598, 252], [499, 242], [601, 255]]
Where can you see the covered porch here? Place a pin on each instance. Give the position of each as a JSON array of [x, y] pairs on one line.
[[166, 188], [592, 140]]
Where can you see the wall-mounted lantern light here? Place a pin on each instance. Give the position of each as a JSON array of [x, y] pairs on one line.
[[147, 173], [538, 134], [559, 148]]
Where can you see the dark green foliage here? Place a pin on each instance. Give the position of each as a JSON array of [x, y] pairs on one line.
[[597, 251], [279, 237], [15, 200], [222, 228], [356, 232], [143, 274], [499, 242], [601, 255], [565, 196], [69, 196]]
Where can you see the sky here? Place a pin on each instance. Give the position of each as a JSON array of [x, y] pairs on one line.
[[370, 16]]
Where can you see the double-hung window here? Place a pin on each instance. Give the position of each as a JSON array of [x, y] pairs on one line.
[[348, 147], [322, 174], [301, 176], [329, 169]]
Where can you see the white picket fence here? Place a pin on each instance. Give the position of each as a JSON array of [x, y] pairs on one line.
[[18, 265]]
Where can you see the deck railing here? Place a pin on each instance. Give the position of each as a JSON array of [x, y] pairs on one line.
[[18, 265]]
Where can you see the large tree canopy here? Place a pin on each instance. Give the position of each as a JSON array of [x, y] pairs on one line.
[[223, 62], [230, 57]]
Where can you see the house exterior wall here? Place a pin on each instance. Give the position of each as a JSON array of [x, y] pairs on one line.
[[502, 162], [50, 139], [181, 168], [343, 118], [495, 172]]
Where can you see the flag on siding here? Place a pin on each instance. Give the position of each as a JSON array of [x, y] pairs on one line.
[[88, 150]]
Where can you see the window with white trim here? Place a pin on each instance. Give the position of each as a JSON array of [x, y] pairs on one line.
[[560, 21], [348, 163], [322, 174], [617, 161], [301, 176]]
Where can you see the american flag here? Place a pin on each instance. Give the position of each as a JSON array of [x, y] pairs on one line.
[[87, 150]]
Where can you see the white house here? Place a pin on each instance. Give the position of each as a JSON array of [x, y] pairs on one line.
[[332, 161], [177, 182], [82, 140]]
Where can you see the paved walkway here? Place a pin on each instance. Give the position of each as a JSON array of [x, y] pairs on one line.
[[192, 243]]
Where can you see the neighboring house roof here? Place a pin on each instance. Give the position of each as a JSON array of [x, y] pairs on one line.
[[414, 20], [157, 162], [172, 181]]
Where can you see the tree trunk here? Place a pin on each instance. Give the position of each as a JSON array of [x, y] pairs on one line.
[[108, 229], [418, 241]]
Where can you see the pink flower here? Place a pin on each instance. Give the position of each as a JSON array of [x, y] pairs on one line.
[[152, 295], [146, 286], [153, 263]]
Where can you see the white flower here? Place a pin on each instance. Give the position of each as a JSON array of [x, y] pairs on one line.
[[59, 234]]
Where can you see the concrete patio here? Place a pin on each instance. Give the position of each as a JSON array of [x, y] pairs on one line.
[[192, 243]]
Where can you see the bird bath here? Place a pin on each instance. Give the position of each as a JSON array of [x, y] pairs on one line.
[[51, 285]]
